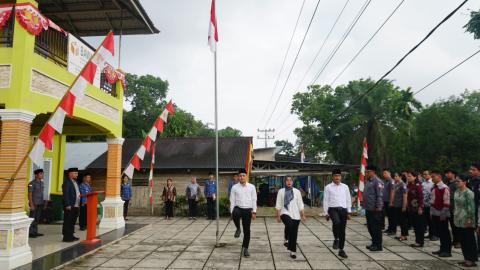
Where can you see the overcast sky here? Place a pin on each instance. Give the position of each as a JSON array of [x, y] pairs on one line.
[[254, 36]]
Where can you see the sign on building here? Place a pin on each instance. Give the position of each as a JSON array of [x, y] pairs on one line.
[[78, 56]]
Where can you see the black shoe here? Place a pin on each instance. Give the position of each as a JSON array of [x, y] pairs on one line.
[[246, 254], [342, 254], [335, 244], [436, 252], [434, 238], [237, 233], [39, 234], [82, 229], [285, 244], [68, 240], [373, 249], [416, 245], [75, 238], [386, 231], [293, 255], [369, 247], [32, 235], [445, 254]]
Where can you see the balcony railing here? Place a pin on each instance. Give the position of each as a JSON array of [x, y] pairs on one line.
[[6, 33]]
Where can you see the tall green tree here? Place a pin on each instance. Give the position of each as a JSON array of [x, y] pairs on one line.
[[286, 147], [473, 25], [387, 110]]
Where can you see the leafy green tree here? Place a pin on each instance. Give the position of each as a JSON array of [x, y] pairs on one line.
[[473, 26], [287, 147], [229, 132], [387, 110]]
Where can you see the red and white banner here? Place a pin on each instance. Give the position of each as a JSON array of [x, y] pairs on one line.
[[67, 103], [5, 12], [363, 166], [212, 29], [151, 137]]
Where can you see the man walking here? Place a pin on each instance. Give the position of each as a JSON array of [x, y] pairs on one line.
[[243, 205], [193, 195], [71, 202], [36, 202], [289, 208], [451, 176], [373, 205], [427, 185], [211, 195], [337, 207], [84, 189], [440, 213], [389, 183]]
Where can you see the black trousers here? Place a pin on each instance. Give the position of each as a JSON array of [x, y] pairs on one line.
[[192, 207], [338, 216], [418, 223], [125, 208], [169, 208], [69, 220], [246, 216], [374, 225], [291, 231], [387, 210], [429, 227], [37, 216], [466, 236], [399, 218], [454, 229], [211, 208], [82, 220], [441, 227]]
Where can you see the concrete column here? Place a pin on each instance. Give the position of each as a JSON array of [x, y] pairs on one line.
[[113, 204], [14, 223]]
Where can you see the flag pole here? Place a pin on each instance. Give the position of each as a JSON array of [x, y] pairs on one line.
[[216, 139]]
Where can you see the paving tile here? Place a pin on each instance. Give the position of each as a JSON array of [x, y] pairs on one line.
[[292, 264], [154, 263], [247, 263], [187, 264], [120, 263], [399, 265], [331, 265], [419, 256], [222, 264], [91, 262], [384, 256]]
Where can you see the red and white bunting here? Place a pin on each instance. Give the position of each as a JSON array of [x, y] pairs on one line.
[[212, 29], [150, 139], [67, 104], [363, 166], [5, 12]]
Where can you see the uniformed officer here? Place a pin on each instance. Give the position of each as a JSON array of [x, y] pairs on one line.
[[373, 205], [36, 202]]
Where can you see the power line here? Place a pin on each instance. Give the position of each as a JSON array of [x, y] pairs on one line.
[[286, 127], [294, 62], [366, 44], [283, 63], [445, 73], [401, 59], [339, 45]]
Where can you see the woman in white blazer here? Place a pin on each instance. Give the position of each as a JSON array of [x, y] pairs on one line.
[[289, 208]]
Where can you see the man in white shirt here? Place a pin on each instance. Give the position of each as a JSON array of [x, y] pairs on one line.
[[243, 205], [337, 205], [289, 208]]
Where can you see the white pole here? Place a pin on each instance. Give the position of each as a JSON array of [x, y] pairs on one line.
[[216, 140]]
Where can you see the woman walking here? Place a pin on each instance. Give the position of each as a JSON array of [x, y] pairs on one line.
[[289, 208], [464, 219], [398, 204], [169, 196]]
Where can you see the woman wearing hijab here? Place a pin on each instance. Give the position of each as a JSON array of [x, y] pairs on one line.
[[290, 211], [169, 196]]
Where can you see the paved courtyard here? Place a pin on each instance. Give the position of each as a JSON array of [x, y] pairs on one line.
[[186, 244]]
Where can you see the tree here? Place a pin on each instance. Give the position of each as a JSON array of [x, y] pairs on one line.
[[229, 132], [473, 26], [286, 147], [329, 127]]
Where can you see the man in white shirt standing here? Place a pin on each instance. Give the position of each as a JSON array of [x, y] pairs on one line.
[[337, 205], [289, 208], [243, 205]]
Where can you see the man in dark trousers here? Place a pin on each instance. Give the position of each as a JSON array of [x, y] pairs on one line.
[[373, 205], [474, 185], [451, 176], [389, 183], [84, 188], [36, 202], [243, 205], [440, 214], [211, 195], [71, 202]]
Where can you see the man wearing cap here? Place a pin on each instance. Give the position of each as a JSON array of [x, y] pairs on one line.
[[36, 202], [71, 202], [337, 206], [373, 205], [243, 205]]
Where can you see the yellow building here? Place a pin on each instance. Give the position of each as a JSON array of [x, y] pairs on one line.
[[35, 72]]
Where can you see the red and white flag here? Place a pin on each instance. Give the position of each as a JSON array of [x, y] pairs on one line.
[[363, 166], [212, 29], [102, 55]]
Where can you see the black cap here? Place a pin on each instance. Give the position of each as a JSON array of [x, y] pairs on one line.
[[451, 171], [37, 171], [72, 170], [336, 171], [371, 168], [242, 171]]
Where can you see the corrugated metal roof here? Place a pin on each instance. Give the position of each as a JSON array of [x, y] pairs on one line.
[[81, 154]]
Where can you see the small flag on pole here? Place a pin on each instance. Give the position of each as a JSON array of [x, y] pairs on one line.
[[362, 169], [212, 29]]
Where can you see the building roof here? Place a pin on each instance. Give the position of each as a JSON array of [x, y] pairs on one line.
[[98, 17], [186, 153], [81, 154]]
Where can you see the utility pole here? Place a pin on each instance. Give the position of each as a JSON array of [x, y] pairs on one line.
[[266, 136]]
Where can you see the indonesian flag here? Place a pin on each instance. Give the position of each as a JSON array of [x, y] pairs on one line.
[[150, 177], [76, 91], [362, 169], [212, 29]]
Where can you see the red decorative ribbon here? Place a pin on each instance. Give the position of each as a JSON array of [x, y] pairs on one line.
[[30, 18], [112, 75], [5, 12]]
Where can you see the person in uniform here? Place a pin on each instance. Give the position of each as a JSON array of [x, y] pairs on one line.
[[243, 205], [36, 202], [71, 202], [289, 208], [398, 205], [211, 195], [337, 206], [387, 211], [451, 176], [440, 214], [373, 205], [415, 208], [84, 189], [126, 195]]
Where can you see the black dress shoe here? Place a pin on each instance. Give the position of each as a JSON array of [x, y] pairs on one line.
[[445, 254], [434, 238], [416, 245], [369, 247], [374, 249], [285, 244], [342, 254], [75, 238], [237, 233], [436, 252], [82, 229], [32, 235], [293, 255], [39, 234], [335, 244], [246, 254]]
